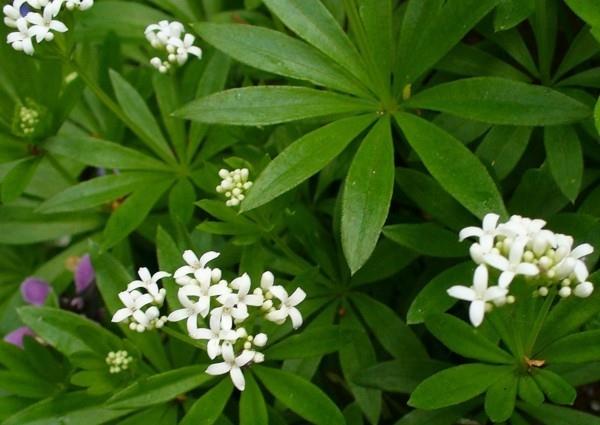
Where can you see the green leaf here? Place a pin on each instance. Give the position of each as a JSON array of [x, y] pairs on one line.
[[28, 386], [503, 147], [18, 178], [556, 388], [529, 391], [377, 25], [300, 396], [207, 409], [98, 191], [430, 29], [68, 332], [275, 52], [313, 342], [586, 10], [311, 20], [393, 334], [455, 385], [135, 108], [501, 397], [501, 101], [168, 101], [582, 347], [400, 376], [253, 410], [303, 158], [426, 239], [465, 340], [556, 415], [446, 416], [510, 13], [457, 170], [159, 388], [432, 199], [597, 115], [266, 105], [181, 200], [101, 153], [565, 158], [132, 213], [367, 194], [433, 298]]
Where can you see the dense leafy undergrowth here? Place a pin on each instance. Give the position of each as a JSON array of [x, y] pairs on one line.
[[256, 212]]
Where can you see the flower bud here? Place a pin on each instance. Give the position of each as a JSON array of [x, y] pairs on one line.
[[260, 340]]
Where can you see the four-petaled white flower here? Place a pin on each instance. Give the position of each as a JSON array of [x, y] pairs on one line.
[[21, 40], [232, 364], [194, 264], [288, 306], [149, 282], [478, 294], [185, 47], [44, 23], [486, 233], [513, 265], [229, 311], [133, 301], [214, 335], [242, 297], [171, 38], [12, 13]]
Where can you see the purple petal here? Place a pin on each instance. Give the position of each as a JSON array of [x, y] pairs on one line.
[[35, 291], [84, 274], [16, 336]]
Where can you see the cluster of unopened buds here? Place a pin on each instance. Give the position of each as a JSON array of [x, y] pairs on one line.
[[232, 308], [142, 300], [118, 361], [35, 20], [234, 185], [28, 120], [521, 247], [172, 38]]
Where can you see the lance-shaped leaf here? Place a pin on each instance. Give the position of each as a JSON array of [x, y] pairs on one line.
[[563, 151], [17, 179], [400, 376], [278, 53], [503, 147], [427, 239], [557, 390], [501, 397], [313, 342], [367, 194], [207, 409], [453, 165], [501, 101], [266, 105], [253, 409], [556, 415], [582, 347], [303, 158]]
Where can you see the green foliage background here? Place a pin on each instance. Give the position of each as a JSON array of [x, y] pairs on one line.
[[374, 131]]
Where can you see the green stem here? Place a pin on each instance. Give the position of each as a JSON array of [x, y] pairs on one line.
[[539, 322]]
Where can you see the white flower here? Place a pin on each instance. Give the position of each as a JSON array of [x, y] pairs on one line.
[[478, 294], [171, 37], [12, 13], [287, 307], [513, 265], [232, 364], [229, 311], [79, 4], [149, 283], [185, 48], [43, 24], [234, 185], [133, 302], [214, 335], [202, 292], [242, 297], [486, 233], [194, 263], [21, 40], [521, 226]]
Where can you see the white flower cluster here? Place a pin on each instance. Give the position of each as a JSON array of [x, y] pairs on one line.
[[521, 246], [118, 361], [171, 36], [34, 19], [204, 293], [234, 185], [142, 308]]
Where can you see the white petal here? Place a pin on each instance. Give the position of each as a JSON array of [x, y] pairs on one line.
[[218, 368], [468, 232], [202, 333], [58, 26], [135, 285], [477, 312], [178, 315], [192, 324], [486, 241], [227, 352], [237, 377], [581, 271], [480, 278], [196, 51], [126, 299], [244, 358], [183, 271], [505, 279], [277, 315], [121, 315], [254, 300], [527, 269], [207, 257], [497, 261], [141, 317], [243, 284], [203, 276], [143, 300], [490, 221], [296, 298], [213, 348], [461, 293], [495, 292], [279, 292], [266, 280], [516, 250], [582, 250], [159, 275], [296, 317], [190, 258]]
